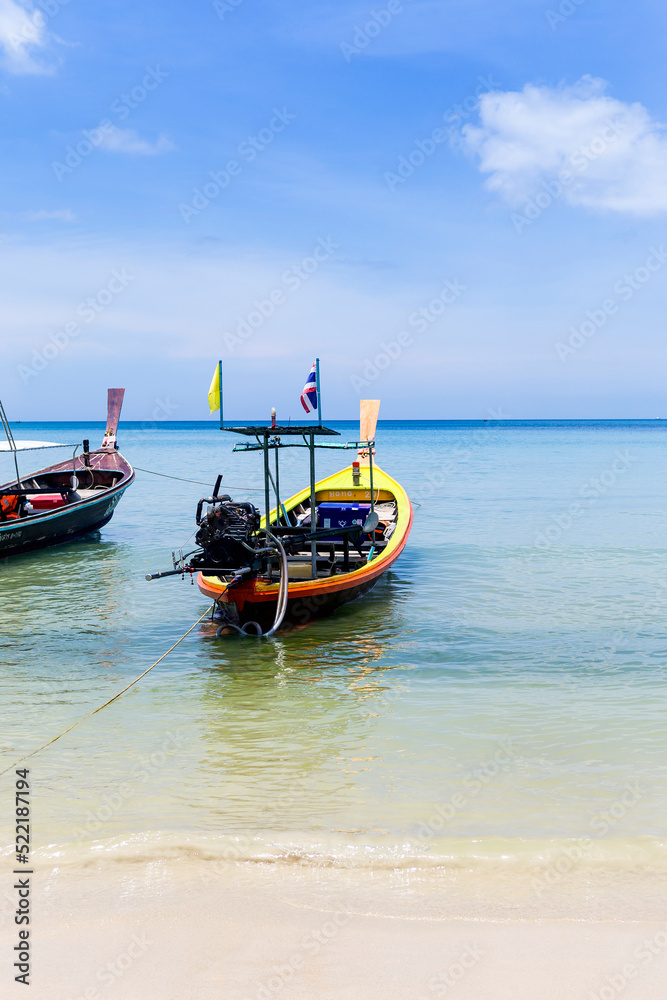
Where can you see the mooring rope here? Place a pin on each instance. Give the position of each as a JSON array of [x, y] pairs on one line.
[[199, 482], [115, 697]]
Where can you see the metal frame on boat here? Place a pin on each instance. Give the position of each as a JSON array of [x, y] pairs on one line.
[[288, 566], [64, 501]]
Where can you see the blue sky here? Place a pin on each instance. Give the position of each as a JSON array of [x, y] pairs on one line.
[[188, 182]]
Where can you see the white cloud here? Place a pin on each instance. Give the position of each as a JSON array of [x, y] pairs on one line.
[[126, 140], [171, 320], [162, 335], [614, 153], [22, 34], [57, 214]]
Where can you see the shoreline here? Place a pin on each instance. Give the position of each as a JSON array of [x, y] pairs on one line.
[[174, 930]]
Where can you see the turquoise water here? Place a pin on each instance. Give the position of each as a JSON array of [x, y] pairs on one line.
[[504, 685]]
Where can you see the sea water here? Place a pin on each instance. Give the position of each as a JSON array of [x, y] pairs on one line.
[[491, 714]]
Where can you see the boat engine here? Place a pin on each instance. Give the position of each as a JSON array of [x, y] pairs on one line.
[[223, 529]]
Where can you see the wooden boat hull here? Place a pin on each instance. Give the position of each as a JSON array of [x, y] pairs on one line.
[[301, 610], [256, 599], [64, 524]]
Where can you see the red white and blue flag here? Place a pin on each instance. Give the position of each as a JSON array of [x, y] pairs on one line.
[[309, 394]]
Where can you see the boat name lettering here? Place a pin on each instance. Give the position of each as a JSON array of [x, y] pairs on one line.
[[349, 494]]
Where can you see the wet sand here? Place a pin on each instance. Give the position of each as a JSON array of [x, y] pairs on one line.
[[170, 930]]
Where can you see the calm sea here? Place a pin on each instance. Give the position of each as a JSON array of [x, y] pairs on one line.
[[498, 700]]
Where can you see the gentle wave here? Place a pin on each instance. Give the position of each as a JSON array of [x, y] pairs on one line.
[[639, 854]]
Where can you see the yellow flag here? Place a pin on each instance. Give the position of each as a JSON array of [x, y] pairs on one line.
[[214, 391]]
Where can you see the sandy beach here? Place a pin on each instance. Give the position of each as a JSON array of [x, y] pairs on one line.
[[194, 929]]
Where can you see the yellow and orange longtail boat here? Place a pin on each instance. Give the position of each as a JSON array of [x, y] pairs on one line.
[[264, 572]]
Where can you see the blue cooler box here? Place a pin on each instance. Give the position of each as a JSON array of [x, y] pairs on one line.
[[341, 515]]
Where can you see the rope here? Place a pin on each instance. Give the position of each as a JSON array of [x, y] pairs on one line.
[[100, 707], [199, 482]]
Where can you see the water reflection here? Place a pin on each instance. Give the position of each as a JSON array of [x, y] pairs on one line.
[[287, 720]]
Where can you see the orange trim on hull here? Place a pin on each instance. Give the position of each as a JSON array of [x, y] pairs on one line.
[[255, 591]]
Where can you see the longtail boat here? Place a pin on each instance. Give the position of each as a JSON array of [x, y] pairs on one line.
[[288, 566], [64, 501]]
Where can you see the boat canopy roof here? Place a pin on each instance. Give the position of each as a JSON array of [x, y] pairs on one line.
[[261, 429], [31, 445]]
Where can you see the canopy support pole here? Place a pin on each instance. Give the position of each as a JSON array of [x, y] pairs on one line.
[[313, 507], [370, 472], [277, 488], [267, 472]]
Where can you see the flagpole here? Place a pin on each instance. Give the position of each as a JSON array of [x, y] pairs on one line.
[[319, 396], [222, 422]]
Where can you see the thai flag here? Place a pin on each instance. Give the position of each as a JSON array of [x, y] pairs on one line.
[[309, 394]]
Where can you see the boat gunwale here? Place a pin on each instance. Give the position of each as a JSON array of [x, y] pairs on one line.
[[256, 590], [128, 475]]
